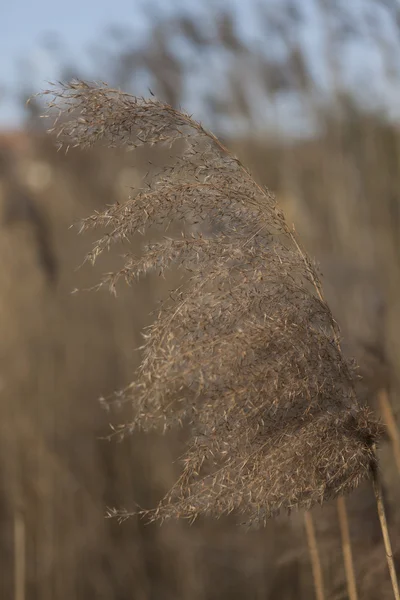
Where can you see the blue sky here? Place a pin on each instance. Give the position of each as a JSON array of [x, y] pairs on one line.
[[24, 24], [78, 24]]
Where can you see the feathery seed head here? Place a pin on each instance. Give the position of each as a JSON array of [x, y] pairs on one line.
[[245, 352]]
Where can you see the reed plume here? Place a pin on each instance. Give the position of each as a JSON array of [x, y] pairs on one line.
[[244, 352]]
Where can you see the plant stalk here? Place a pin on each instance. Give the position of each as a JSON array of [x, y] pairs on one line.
[[385, 532], [346, 547], [314, 556]]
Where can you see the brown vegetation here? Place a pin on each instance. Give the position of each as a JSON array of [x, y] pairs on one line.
[[245, 352], [60, 352]]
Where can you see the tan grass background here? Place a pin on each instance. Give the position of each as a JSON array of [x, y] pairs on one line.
[[61, 351]]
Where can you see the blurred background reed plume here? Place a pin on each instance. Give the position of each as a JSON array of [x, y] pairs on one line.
[[305, 93]]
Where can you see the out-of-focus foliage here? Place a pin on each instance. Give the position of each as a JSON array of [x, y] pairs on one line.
[[277, 63]]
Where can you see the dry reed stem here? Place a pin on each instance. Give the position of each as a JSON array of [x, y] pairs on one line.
[[341, 503], [346, 547], [19, 556], [314, 556], [385, 532], [390, 422]]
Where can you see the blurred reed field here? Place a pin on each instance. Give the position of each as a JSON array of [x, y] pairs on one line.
[[61, 351]]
